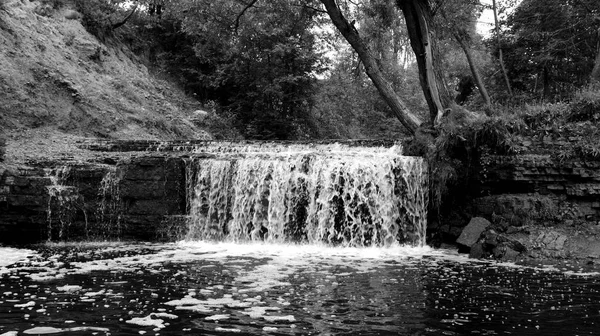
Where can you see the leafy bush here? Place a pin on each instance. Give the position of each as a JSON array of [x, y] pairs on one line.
[[97, 16], [586, 105], [221, 128], [48, 7]]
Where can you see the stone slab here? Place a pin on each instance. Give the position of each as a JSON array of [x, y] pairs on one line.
[[472, 231]]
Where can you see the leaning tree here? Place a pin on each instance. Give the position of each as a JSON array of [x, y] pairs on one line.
[[418, 15]]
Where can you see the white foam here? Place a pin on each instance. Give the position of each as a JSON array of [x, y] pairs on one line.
[[186, 301], [95, 329], [231, 330], [165, 315], [287, 318], [258, 312], [147, 322], [69, 288], [281, 261], [10, 333], [195, 308], [25, 305], [217, 317], [42, 331], [95, 293], [12, 255]]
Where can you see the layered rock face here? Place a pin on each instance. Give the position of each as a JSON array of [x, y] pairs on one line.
[[541, 187], [548, 204], [334, 193], [93, 201]]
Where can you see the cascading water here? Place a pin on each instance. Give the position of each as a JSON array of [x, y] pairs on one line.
[[109, 208], [63, 202], [71, 215], [335, 194]]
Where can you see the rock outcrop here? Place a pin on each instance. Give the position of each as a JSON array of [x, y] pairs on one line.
[[471, 233], [540, 206]]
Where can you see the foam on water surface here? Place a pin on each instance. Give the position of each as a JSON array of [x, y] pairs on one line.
[[10, 255], [282, 260], [256, 287]]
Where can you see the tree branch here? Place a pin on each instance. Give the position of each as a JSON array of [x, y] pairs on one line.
[[119, 24], [396, 104], [318, 10], [237, 19]]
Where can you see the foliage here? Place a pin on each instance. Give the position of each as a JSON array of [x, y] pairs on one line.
[[453, 154], [258, 66], [463, 54], [100, 17], [346, 103], [586, 105], [347, 107], [96, 16], [458, 17], [551, 46]]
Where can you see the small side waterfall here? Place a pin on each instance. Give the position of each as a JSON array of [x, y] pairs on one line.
[[109, 211], [334, 194], [63, 202], [83, 203]]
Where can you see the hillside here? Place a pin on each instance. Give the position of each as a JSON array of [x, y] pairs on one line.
[[58, 83]]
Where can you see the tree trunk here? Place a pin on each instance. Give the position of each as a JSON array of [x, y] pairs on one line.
[[406, 117], [417, 15], [546, 83], [500, 57], [596, 70], [474, 70]]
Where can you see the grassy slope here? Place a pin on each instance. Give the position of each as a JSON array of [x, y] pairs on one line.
[[59, 83]]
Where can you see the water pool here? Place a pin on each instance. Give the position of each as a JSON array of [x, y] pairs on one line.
[[206, 288]]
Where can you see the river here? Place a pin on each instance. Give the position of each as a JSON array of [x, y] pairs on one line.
[[207, 288]]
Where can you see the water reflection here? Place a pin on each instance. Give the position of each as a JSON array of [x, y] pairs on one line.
[[221, 289]]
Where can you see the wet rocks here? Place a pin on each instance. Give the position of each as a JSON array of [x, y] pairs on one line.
[[493, 245], [551, 240], [485, 242], [150, 187], [471, 233]]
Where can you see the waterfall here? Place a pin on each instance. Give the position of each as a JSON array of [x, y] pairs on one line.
[[334, 194], [76, 209], [109, 211], [63, 202]]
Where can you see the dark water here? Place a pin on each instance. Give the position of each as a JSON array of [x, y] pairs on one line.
[[226, 289]]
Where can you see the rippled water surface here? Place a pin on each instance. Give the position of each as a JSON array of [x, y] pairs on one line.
[[223, 289]]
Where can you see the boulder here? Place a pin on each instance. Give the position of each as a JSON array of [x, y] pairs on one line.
[[493, 239], [472, 231], [495, 245], [73, 15], [552, 240], [504, 252], [477, 251]]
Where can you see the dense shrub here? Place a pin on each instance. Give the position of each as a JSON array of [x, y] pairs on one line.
[[97, 16], [586, 105], [220, 128]]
